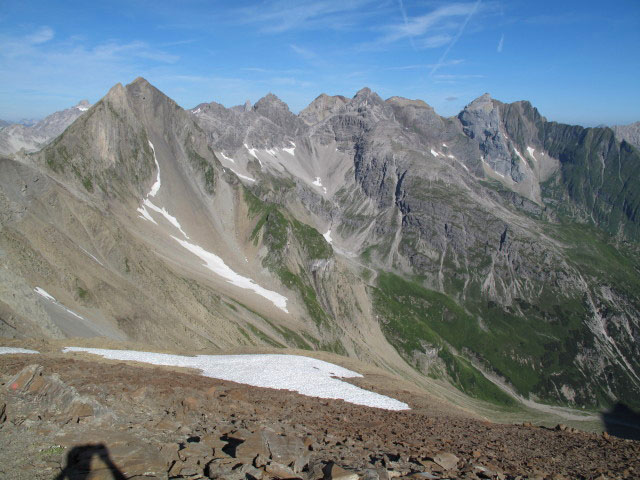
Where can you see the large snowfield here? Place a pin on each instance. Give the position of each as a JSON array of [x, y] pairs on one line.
[[305, 375]]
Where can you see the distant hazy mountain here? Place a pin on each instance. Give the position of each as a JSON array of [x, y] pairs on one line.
[[34, 136], [494, 250]]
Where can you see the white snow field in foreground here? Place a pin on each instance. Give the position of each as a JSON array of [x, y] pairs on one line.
[[217, 266], [305, 375], [7, 350]]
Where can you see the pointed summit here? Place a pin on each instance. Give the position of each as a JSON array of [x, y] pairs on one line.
[[363, 92], [366, 96], [483, 102], [140, 81], [278, 112], [322, 107], [269, 101], [83, 105]]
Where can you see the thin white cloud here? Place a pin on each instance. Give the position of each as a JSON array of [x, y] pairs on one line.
[[418, 26], [500, 44], [462, 76], [42, 35], [303, 52], [284, 15], [403, 11], [435, 41], [421, 66], [470, 14]]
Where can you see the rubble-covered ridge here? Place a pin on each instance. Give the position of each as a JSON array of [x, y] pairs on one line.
[[71, 417]]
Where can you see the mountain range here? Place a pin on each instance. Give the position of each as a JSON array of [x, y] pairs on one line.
[[494, 251], [32, 137]]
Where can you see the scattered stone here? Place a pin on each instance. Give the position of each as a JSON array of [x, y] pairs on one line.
[[280, 471], [334, 472], [286, 449], [251, 472], [446, 460], [201, 450]]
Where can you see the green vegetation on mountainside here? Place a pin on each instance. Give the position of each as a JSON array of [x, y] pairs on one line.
[[277, 230], [598, 173], [532, 346]]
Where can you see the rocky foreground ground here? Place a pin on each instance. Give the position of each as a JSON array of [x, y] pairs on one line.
[[80, 417]]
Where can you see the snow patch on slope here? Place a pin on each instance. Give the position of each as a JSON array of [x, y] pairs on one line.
[[327, 236], [249, 179], [144, 213], [531, 150], [304, 375], [163, 211], [217, 266], [318, 183], [8, 350], [252, 152], [94, 258], [291, 151], [44, 294], [156, 186], [518, 154], [227, 158]]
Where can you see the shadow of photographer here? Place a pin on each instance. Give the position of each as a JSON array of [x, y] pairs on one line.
[[79, 463]]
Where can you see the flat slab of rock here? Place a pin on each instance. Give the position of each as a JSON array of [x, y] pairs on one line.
[[446, 460]]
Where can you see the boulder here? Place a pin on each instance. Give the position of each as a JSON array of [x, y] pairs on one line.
[[446, 460], [335, 472], [280, 471]]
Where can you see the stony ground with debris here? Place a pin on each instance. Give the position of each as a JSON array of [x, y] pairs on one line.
[[81, 417]]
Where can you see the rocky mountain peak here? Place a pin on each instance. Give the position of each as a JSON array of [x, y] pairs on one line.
[[322, 107], [367, 98], [405, 102], [140, 81], [269, 101], [483, 102], [271, 107], [83, 105], [363, 92]]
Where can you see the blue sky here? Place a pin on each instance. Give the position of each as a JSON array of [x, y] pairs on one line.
[[577, 61]]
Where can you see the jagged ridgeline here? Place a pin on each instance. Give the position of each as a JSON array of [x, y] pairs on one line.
[[494, 250]]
